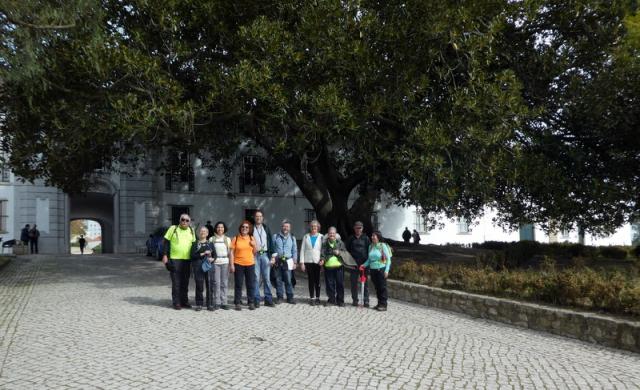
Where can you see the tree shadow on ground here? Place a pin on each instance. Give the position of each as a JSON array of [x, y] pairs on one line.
[[149, 301]]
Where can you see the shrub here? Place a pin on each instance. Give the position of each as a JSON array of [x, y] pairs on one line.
[[578, 287], [613, 252], [493, 245], [520, 252]]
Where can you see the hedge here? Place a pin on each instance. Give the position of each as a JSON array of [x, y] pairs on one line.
[[582, 287]]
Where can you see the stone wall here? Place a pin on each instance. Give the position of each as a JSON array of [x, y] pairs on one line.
[[591, 327], [595, 328]]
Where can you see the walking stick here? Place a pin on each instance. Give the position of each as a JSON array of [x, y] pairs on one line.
[[362, 282]]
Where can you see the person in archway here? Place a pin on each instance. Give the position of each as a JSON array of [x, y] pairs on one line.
[[406, 235], [34, 235], [177, 258], [82, 242]]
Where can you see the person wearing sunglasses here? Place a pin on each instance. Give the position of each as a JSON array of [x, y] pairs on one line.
[[244, 248], [177, 258]]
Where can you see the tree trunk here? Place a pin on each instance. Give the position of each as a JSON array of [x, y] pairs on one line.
[[329, 193]]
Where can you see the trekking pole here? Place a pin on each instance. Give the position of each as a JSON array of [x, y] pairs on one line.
[[362, 282]]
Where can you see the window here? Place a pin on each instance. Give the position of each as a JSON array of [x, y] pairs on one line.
[[309, 215], [463, 226], [180, 172], [252, 176], [564, 234], [374, 221], [4, 217], [419, 223], [176, 212], [4, 168]]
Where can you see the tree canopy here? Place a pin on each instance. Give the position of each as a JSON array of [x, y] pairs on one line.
[[529, 107]]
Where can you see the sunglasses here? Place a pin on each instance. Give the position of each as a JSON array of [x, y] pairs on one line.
[[184, 220], [244, 227]]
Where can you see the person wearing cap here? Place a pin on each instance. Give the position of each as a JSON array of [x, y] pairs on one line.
[[264, 240], [177, 258], [358, 246], [284, 259], [332, 262]]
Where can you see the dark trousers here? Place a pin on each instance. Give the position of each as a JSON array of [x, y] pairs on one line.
[[354, 276], [380, 283], [247, 274], [313, 274], [180, 282], [334, 282], [202, 280], [33, 244]]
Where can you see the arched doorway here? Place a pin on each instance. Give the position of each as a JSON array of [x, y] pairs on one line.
[[97, 205], [90, 231]]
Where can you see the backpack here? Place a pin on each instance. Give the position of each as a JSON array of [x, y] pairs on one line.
[[384, 244]]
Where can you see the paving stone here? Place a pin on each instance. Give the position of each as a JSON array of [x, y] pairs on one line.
[[105, 322]]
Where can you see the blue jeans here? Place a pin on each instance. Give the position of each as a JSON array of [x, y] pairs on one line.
[[263, 268], [283, 277]]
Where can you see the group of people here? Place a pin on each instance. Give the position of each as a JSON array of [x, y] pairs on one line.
[[254, 254], [407, 235], [29, 236]]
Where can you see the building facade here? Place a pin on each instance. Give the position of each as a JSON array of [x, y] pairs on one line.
[[130, 207]]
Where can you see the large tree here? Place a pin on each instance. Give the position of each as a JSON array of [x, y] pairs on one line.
[[444, 105]]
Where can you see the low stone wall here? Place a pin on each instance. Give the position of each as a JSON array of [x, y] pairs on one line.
[[591, 327]]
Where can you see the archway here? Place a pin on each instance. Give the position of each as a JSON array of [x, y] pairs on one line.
[[97, 206], [90, 231]]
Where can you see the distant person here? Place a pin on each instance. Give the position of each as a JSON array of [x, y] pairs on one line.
[[406, 235], [210, 229], [149, 245], [82, 242], [416, 237], [24, 234], [34, 235]]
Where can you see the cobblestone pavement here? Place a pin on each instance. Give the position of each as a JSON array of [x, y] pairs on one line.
[[105, 322]]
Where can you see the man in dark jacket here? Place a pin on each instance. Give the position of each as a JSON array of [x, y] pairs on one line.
[[24, 234], [358, 246], [406, 235]]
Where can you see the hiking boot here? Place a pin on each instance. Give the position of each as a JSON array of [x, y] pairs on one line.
[[224, 307], [252, 306], [291, 301], [198, 308], [269, 304], [257, 305], [354, 303], [381, 308], [312, 302], [238, 307]]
